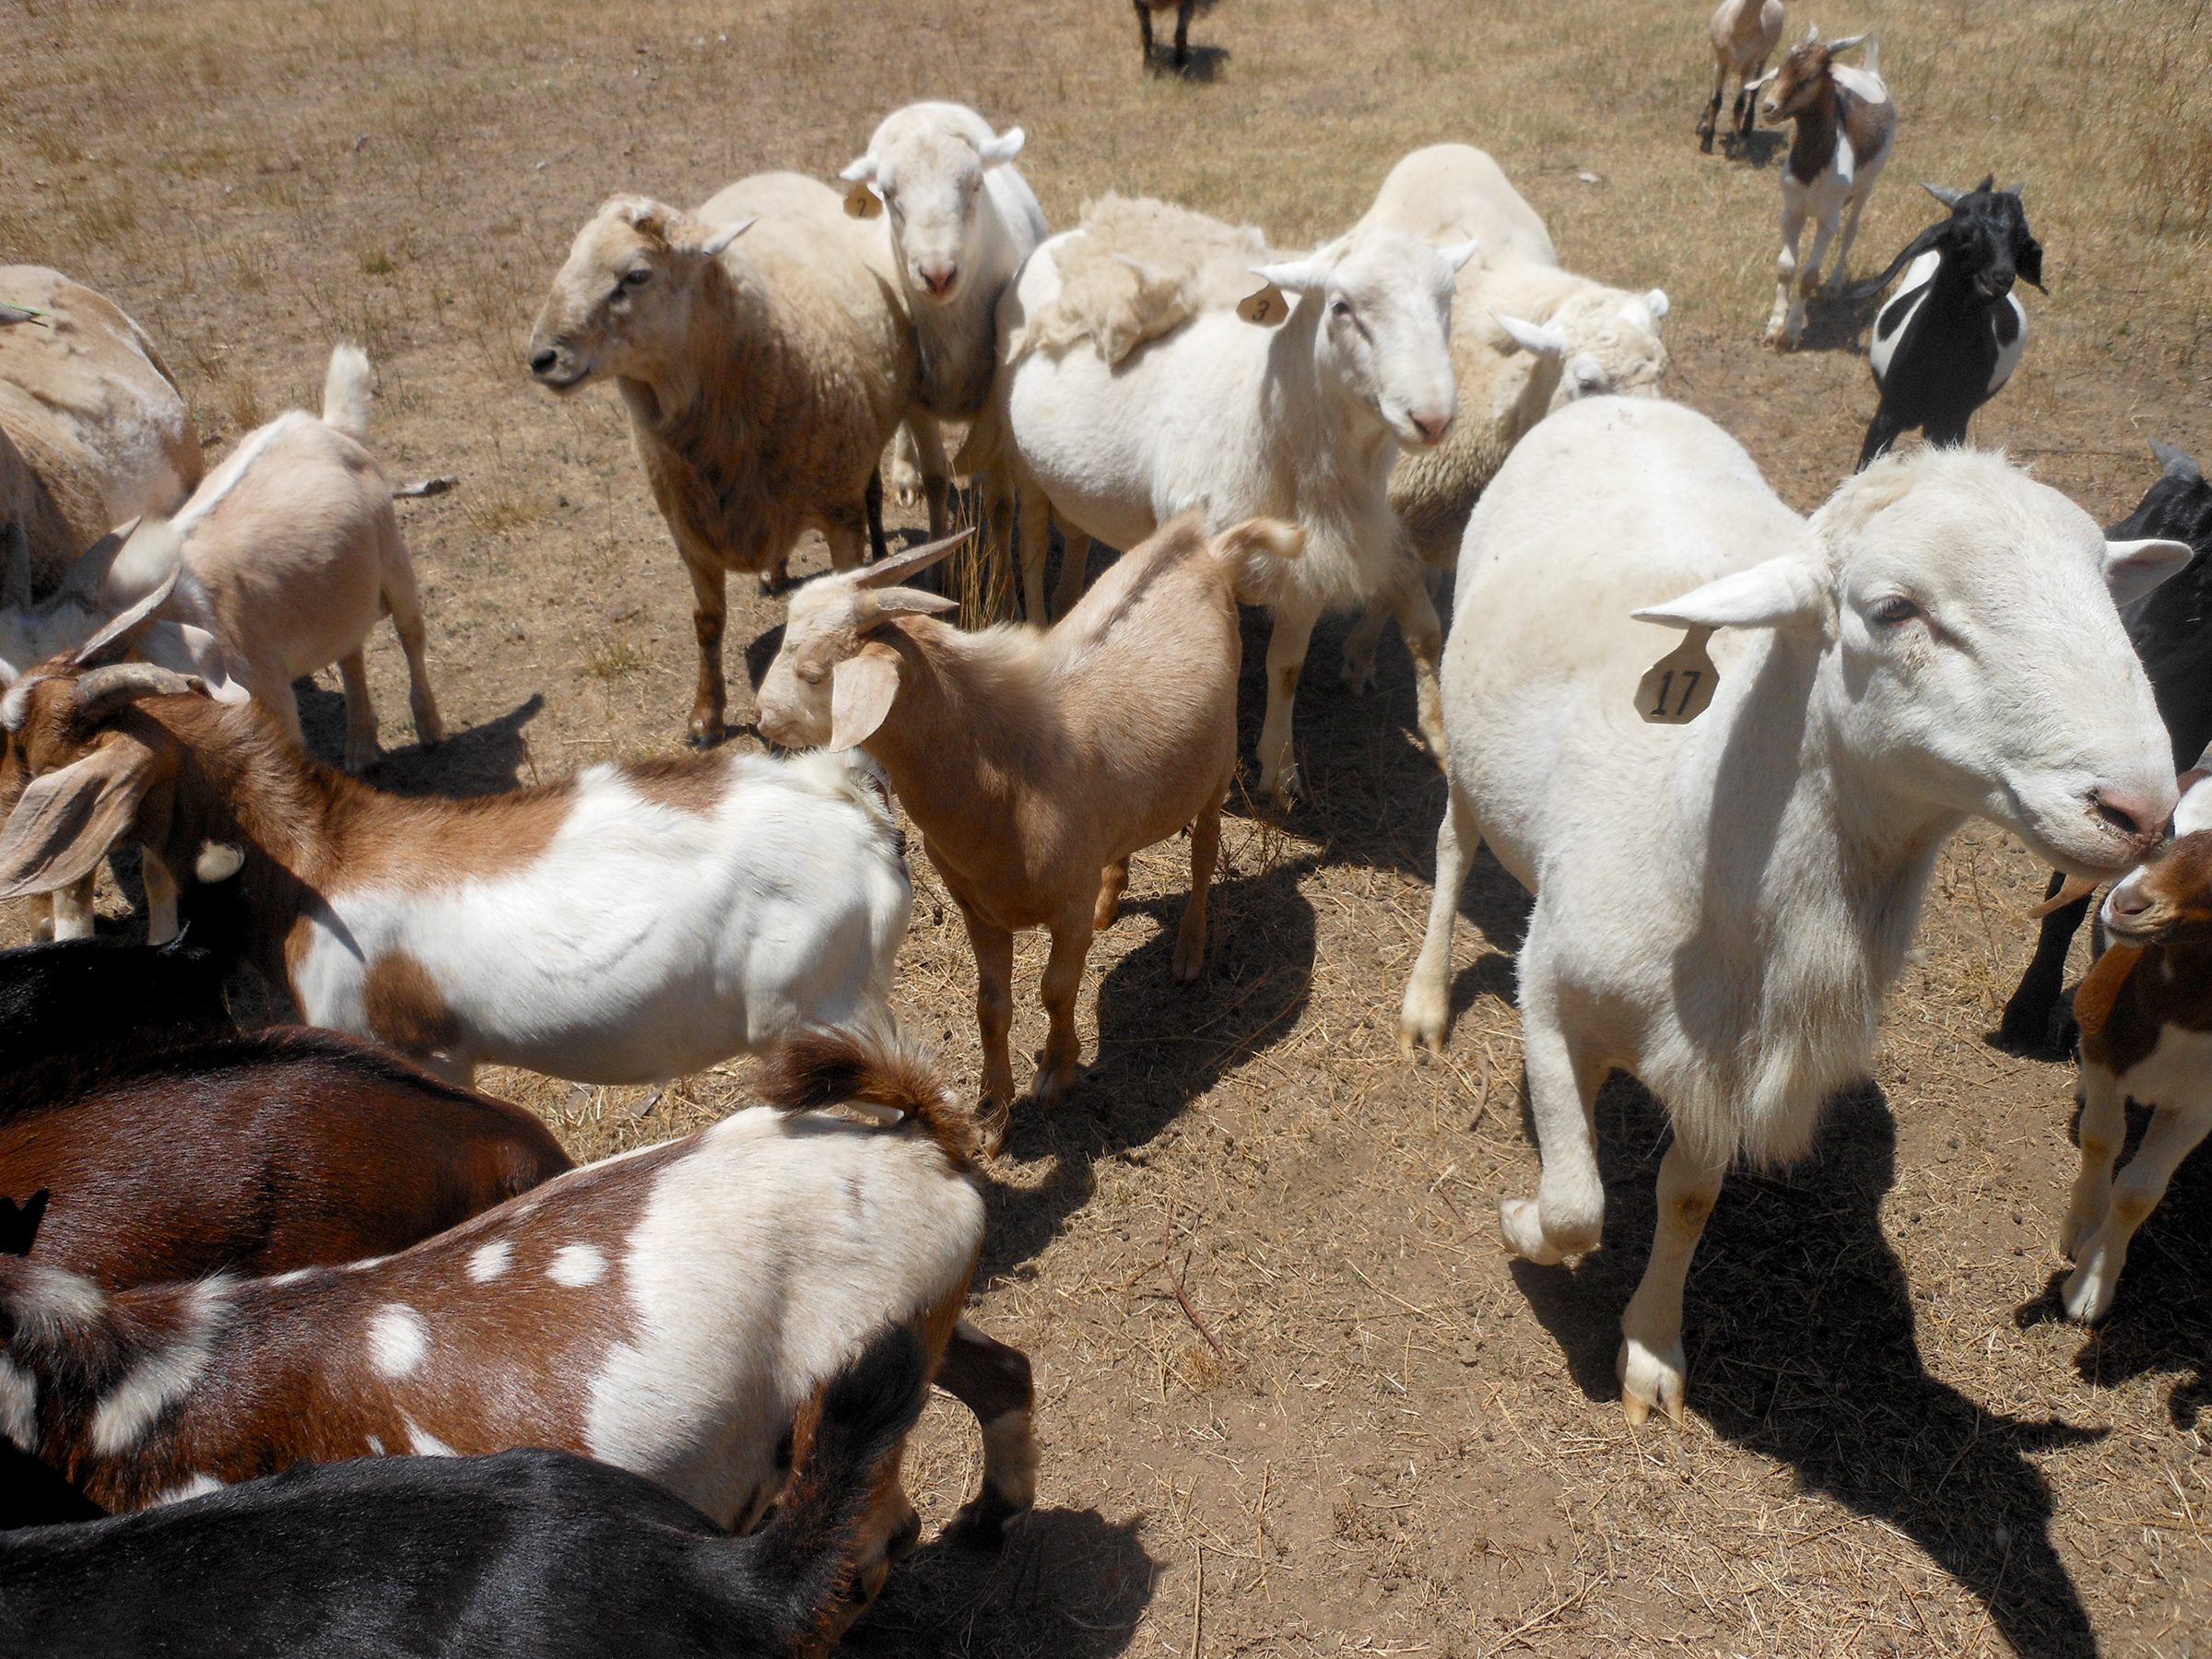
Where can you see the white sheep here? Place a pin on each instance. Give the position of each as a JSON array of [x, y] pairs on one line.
[[765, 354], [1721, 905], [1299, 419]]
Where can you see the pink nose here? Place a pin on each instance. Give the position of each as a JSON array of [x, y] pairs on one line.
[[1429, 423], [939, 281], [2128, 902], [2136, 816]]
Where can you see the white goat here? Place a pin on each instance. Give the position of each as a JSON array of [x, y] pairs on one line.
[[1300, 422], [1846, 131], [1744, 33], [1720, 907], [638, 922]]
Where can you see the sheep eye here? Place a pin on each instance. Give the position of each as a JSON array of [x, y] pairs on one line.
[[1341, 308], [1895, 609]]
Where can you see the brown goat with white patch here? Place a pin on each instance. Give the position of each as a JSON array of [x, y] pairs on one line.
[[1036, 763], [668, 1311], [1744, 33]]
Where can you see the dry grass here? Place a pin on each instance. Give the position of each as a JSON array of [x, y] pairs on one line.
[[1403, 1443]]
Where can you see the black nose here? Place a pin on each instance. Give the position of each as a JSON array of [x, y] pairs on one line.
[[1996, 283], [541, 362]]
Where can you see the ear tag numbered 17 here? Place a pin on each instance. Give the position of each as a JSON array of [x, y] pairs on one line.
[[1679, 687], [861, 202], [1266, 308]]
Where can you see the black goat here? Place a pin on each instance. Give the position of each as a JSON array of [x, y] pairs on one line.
[[2171, 629], [526, 1552], [1955, 332], [79, 996], [1182, 9]]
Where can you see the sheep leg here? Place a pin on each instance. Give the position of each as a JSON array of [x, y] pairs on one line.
[[360, 713], [1780, 321], [1567, 1217], [1652, 1368], [2102, 1130], [1427, 1004], [161, 899], [1190, 939], [405, 603], [1074, 566], [1036, 547], [280, 701], [1111, 886], [994, 948], [710, 605], [993, 1381], [847, 535], [1062, 978], [72, 908], [937, 477], [2174, 1133], [1424, 633], [1360, 646], [1287, 643]]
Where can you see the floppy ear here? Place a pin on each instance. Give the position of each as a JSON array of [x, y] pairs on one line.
[[1002, 150], [1456, 257], [2175, 463], [725, 236], [1295, 276], [862, 689], [2132, 569], [14, 579], [1540, 337], [111, 644], [66, 820], [2028, 263], [1782, 592]]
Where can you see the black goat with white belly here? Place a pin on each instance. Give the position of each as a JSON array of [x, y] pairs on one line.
[[1955, 331]]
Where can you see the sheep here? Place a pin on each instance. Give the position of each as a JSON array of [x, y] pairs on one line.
[[1744, 33], [71, 998], [761, 350], [1033, 762], [666, 1312], [527, 1551], [1954, 333], [636, 922], [2144, 1014], [257, 1154], [1846, 128], [1448, 194], [1182, 9], [1720, 908], [1299, 419], [93, 431], [2171, 631]]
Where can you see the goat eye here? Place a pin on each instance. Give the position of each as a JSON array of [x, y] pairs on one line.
[[1895, 609], [810, 672], [637, 278]]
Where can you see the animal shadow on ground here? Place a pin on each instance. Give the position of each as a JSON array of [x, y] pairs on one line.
[[1838, 325], [1761, 149], [1069, 1584], [1799, 1327], [1205, 63], [1161, 1045], [491, 758], [2161, 1319]]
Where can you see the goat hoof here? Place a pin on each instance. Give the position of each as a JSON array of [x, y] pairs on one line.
[[980, 1524], [1649, 1378], [703, 736], [2088, 1292]]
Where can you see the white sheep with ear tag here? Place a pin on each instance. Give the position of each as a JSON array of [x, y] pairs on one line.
[[1720, 905]]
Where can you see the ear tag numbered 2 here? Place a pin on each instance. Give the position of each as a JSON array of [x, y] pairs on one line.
[[1679, 687], [861, 202], [1266, 308]]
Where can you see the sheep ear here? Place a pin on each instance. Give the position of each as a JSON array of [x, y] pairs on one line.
[[2175, 463], [861, 171], [862, 689], [14, 579], [725, 236], [1455, 258], [1295, 276], [113, 642], [1780, 592], [1656, 302], [66, 820], [1540, 337], [2132, 569], [889, 573], [1002, 150], [1944, 194]]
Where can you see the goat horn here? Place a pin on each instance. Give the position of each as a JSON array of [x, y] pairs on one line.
[[888, 572], [1944, 194], [908, 601], [1812, 33], [121, 634], [103, 688]]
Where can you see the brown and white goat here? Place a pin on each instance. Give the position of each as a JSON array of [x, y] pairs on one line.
[[1846, 130], [668, 1311], [1036, 763], [2146, 1016], [1744, 33], [635, 923]]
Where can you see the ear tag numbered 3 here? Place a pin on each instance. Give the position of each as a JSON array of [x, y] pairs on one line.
[[861, 202], [1266, 308], [1679, 687]]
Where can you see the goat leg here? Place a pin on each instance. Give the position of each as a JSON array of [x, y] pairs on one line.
[[993, 1381], [877, 548], [1183, 33]]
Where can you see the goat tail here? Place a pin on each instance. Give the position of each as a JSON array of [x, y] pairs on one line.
[[846, 1447], [873, 1066], [345, 393], [1256, 551]]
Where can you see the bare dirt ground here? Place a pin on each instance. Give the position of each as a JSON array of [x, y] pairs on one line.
[[1369, 1433]]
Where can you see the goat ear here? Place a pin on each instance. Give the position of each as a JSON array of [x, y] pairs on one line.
[[891, 571], [862, 689], [725, 236], [2175, 463], [2028, 263], [1002, 150], [66, 820], [111, 644], [19, 1222], [1780, 592], [1944, 194], [2132, 569], [1540, 337], [14, 579]]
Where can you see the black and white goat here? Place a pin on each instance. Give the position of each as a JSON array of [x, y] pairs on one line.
[[1955, 331], [2172, 631]]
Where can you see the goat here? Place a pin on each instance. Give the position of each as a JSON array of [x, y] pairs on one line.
[[31, 1493], [1955, 332], [1182, 9], [1846, 128], [1033, 762], [668, 1310], [2171, 631], [72, 997], [636, 922], [528, 1551], [257, 1154], [1939, 641], [1744, 33]]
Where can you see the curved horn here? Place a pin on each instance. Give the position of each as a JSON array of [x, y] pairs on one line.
[[2175, 463], [888, 572], [121, 634], [104, 688], [1812, 33], [1944, 194], [1846, 43], [873, 607]]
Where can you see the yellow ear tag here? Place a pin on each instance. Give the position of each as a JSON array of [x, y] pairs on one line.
[[1266, 308], [1679, 687], [861, 202]]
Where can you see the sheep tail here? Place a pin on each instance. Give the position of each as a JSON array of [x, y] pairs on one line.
[[345, 393]]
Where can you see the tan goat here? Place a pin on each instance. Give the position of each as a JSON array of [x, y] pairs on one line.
[[1036, 763]]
